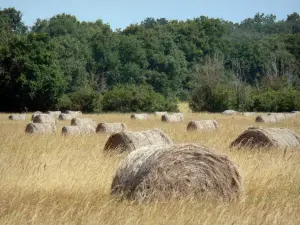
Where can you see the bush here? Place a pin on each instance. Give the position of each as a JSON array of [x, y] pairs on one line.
[[131, 98], [85, 100]]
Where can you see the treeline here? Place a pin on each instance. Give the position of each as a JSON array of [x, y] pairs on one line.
[[62, 63]]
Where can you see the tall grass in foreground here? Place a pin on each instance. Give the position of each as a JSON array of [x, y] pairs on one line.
[[66, 180]]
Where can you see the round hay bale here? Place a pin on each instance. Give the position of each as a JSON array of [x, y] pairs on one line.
[[161, 172], [130, 141], [35, 114], [64, 116], [83, 122], [40, 128], [266, 119], [202, 125], [255, 137], [159, 113], [172, 118], [54, 113], [230, 112], [140, 116], [17, 117], [76, 113], [44, 118], [78, 130], [110, 128]]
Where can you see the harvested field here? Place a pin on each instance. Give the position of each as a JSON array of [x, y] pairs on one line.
[[52, 179]]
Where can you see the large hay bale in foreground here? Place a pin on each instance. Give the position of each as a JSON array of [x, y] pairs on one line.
[[255, 137], [78, 130], [110, 128], [44, 118], [266, 119], [54, 113], [159, 113], [130, 141], [140, 116], [202, 125], [64, 116], [40, 128], [160, 172], [172, 118], [17, 117], [230, 112], [83, 122]]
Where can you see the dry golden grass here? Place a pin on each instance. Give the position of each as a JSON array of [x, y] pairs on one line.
[[66, 180]]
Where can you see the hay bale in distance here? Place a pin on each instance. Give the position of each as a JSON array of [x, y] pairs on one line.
[[140, 116], [54, 113], [83, 122], [40, 128], [249, 113], [202, 125], [159, 113], [266, 119], [160, 172], [255, 137], [44, 118], [110, 128], [64, 116], [230, 112], [35, 114], [78, 130], [17, 117], [76, 113], [172, 118], [130, 141]]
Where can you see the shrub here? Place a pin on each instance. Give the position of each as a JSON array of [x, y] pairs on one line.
[[132, 98]]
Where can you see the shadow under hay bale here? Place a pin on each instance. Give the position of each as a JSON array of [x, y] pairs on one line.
[[78, 130], [40, 128], [83, 122], [255, 137], [201, 125], [44, 118], [130, 141], [17, 117], [140, 116], [160, 172], [109, 128], [172, 118]]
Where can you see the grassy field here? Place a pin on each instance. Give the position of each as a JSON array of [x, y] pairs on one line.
[[66, 180]]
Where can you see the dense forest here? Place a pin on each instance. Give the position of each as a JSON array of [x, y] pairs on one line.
[[62, 63]]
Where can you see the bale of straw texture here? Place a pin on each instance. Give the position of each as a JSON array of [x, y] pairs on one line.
[[110, 128], [40, 128], [255, 137], [266, 119], [159, 113], [64, 116], [172, 118], [17, 117], [130, 141], [77, 113], [140, 116], [44, 118], [54, 113], [161, 172], [202, 125], [78, 130], [35, 114], [83, 122], [230, 112]]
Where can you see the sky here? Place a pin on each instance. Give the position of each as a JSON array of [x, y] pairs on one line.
[[120, 14]]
